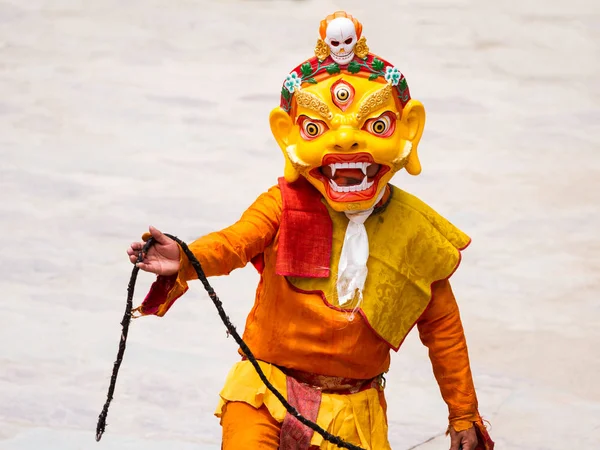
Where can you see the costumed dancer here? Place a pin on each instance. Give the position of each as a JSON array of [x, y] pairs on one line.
[[348, 263]]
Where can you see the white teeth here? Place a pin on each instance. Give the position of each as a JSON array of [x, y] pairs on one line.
[[359, 165], [363, 185], [363, 166], [355, 188]]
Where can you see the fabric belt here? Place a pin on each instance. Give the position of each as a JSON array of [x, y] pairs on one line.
[[335, 385]]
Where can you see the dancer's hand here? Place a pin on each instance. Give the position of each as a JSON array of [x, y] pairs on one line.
[[161, 259], [463, 440]]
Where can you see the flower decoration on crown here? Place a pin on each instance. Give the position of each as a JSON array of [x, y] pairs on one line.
[[392, 75], [292, 82], [342, 48]]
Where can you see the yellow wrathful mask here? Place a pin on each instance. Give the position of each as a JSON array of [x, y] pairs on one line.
[[346, 120]]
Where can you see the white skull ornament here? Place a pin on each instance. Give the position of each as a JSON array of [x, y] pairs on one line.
[[341, 39]]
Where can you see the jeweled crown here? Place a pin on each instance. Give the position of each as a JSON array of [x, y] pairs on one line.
[[342, 48]]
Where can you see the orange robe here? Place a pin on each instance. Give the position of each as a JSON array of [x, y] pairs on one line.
[[305, 333]]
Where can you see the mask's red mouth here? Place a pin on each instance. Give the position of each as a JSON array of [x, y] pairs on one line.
[[350, 178]]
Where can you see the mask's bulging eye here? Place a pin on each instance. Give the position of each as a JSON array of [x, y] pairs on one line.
[[382, 126], [342, 94], [311, 129]]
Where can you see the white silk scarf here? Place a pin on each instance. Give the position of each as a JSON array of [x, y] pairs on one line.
[[352, 267]]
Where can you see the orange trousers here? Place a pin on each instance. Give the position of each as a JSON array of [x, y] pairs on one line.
[[245, 427]]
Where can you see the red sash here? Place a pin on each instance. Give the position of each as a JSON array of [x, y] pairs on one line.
[[305, 233]]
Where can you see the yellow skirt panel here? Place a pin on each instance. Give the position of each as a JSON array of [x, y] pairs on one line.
[[357, 418]]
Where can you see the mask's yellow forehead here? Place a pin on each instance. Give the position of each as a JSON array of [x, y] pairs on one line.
[[353, 97]]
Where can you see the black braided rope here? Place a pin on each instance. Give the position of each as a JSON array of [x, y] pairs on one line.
[[230, 329], [100, 427]]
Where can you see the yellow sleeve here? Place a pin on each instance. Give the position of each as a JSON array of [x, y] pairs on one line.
[[441, 331], [220, 252]]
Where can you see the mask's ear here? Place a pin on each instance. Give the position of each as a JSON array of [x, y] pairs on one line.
[[413, 117], [281, 127]]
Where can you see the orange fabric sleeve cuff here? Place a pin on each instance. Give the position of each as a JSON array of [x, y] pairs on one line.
[[464, 422]]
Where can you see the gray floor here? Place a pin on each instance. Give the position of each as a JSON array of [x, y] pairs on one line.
[[115, 115]]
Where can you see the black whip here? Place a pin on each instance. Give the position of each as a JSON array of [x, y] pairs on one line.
[[122, 343], [231, 331]]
